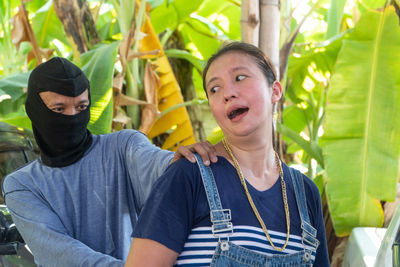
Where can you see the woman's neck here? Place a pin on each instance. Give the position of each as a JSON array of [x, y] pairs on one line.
[[256, 159]]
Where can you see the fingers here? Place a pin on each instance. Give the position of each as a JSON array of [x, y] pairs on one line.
[[183, 151], [206, 151]]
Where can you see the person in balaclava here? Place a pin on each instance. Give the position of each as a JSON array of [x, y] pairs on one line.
[[78, 203], [63, 139]]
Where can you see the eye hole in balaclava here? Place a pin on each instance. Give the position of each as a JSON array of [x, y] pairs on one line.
[[63, 139]]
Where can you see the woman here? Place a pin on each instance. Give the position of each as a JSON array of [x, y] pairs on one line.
[[257, 211]]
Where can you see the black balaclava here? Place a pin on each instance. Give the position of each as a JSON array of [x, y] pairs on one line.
[[63, 139]]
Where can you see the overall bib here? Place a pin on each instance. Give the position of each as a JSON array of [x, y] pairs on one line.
[[229, 254]]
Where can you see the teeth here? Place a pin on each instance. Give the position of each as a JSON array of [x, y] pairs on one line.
[[236, 112]]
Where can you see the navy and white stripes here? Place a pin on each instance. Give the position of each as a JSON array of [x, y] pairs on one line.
[[200, 245]]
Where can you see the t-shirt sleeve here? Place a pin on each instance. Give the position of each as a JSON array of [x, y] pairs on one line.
[[51, 243], [145, 163], [317, 220], [167, 216]]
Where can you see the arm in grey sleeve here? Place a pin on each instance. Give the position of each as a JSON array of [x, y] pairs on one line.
[[145, 163], [44, 233]]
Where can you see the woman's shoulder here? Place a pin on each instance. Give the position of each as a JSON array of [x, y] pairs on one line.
[[185, 171], [183, 165], [179, 173]]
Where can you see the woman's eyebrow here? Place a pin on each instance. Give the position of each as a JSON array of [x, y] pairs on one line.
[[232, 70], [211, 80], [239, 68]]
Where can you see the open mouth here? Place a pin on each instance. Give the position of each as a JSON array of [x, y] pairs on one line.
[[234, 113]]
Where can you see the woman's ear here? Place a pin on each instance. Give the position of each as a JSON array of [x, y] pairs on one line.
[[276, 92]]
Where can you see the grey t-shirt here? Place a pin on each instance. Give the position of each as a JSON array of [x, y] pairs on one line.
[[83, 214]]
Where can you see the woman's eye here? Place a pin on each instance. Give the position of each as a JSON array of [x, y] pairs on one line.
[[214, 89], [240, 77]]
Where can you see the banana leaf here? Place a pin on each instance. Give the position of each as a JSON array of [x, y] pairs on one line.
[[183, 54], [170, 15], [176, 122], [98, 65], [47, 27], [362, 127], [335, 16], [310, 147], [12, 95]]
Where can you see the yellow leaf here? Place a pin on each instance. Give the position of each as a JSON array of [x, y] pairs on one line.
[[169, 94]]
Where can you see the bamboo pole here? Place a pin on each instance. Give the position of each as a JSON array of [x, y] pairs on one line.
[[269, 31], [250, 21]]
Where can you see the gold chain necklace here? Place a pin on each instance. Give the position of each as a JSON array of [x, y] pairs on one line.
[[253, 206]]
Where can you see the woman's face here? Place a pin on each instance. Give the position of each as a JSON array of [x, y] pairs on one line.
[[239, 95]]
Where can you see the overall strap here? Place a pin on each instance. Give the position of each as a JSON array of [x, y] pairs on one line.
[[309, 232], [220, 218]]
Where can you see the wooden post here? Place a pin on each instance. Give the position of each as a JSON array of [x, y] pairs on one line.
[[250, 21], [269, 31]]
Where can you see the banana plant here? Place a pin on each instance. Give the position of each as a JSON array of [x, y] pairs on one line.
[[361, 142]]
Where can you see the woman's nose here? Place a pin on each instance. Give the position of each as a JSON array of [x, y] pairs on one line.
[[230, 92]]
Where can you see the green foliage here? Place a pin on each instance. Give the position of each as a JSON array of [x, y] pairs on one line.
[[365, 5], [349, 78], [309, 146], [203, 25], [172, 14], [12, 95], [8, 52], [18, 118], [335, 16], [47, 27], [98, 65], [362, 128], [308, 75], [177, 53], [350, 82]]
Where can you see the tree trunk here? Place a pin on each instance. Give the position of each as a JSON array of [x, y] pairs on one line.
[[78, 22], [250, 21]]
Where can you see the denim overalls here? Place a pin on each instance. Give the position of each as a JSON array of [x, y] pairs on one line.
[[229, 254]]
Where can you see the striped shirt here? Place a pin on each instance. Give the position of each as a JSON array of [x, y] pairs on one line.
[[200, 245]]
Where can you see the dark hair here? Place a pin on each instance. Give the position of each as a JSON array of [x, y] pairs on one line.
[[260, 59]]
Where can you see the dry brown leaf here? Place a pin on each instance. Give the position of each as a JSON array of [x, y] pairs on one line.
[[118, 82], [150, 113], [123, 51], [124, 100], [22, 31], [45, 53], [121, 117], [120, 120], [19, 32], [151, 83], [147, 54]]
